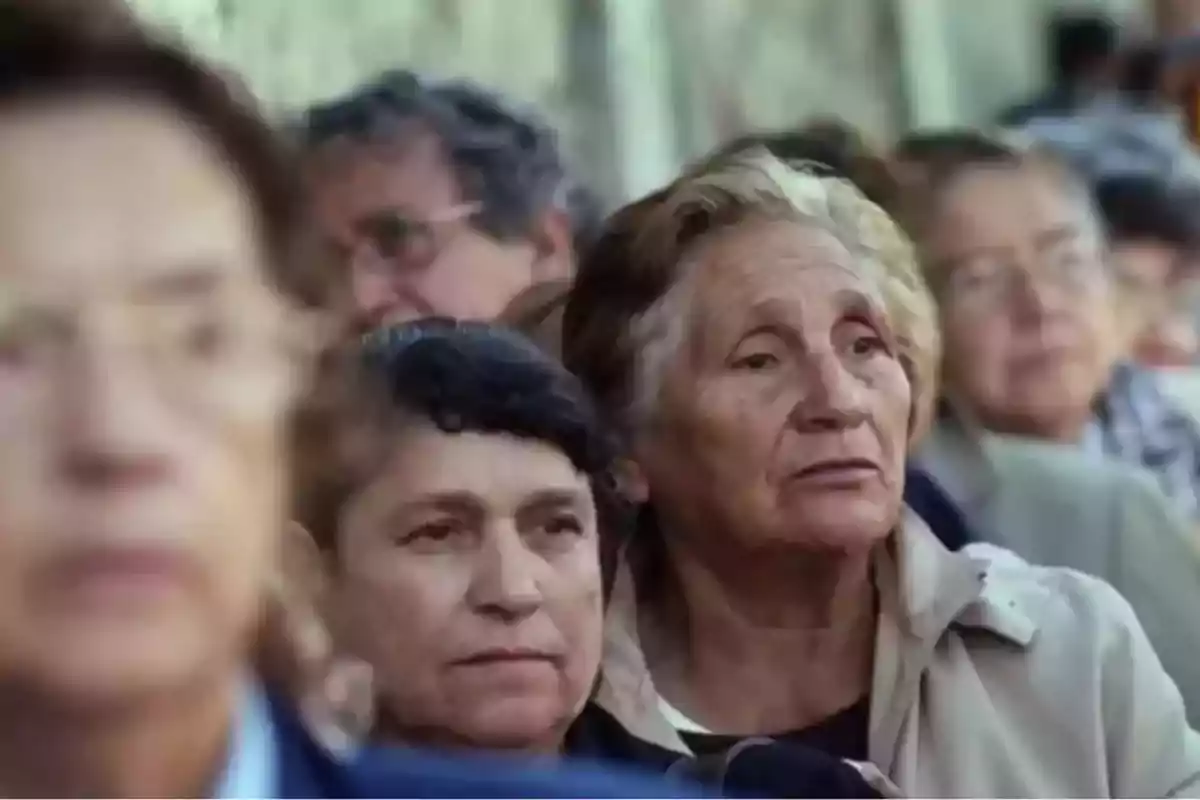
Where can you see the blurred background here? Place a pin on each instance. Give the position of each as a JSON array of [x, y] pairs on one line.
[[648, 84]]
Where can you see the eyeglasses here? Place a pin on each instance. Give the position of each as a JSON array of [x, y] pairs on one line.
[[398, 243], [991, 279]]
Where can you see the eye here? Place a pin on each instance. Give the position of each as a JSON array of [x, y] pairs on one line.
[[28, 336], [866, 345], [865, 340], [756, 362], [979, 274], [440, 532], [563, 525]]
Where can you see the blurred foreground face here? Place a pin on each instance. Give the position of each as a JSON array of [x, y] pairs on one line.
[[142, 387], [1025, 301], [788, 400], [396, 213], [469, 578]]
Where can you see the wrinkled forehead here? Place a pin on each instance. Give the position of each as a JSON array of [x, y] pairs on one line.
[[98, 191], [786, 271]]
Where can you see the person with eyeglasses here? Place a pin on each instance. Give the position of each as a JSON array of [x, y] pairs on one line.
[[1016, 258], [440, 199]]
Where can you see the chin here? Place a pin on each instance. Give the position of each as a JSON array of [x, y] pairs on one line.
[[518, 724], [92, 673], [841, 522]]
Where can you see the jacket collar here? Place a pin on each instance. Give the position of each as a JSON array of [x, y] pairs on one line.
[[924, 589]]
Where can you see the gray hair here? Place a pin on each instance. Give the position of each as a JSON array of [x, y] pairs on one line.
[[627, 316], [508, 159]]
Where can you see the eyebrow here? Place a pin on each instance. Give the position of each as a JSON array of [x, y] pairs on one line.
[[545, 499], [195, 280], [1053, 237], [451, 500]]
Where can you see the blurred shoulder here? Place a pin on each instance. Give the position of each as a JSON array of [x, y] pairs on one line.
[[396, 772], [1070, 464]]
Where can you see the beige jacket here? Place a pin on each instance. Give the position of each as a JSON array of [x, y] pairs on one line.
[[993, 678]]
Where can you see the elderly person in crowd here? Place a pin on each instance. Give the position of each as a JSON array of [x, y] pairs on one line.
[[1017, 256], [154, 365], [764, 341], [1051, 502], [440, 198], [469, 554]]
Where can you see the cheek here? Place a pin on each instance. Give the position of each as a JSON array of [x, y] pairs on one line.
[[400, 614], [575, 604], [730, 428], [974, 350], [894, 399], [476, 278]]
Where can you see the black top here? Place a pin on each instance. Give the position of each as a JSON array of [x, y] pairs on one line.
[[843, 735], [794, 764]]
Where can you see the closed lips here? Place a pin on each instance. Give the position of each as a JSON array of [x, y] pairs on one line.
[[835, 466]]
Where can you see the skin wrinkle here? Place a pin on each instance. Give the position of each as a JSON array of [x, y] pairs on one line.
[[412, 606], [718, 461], [749, 576]]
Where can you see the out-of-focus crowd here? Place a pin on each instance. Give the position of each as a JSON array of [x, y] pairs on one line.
[[368, 455]]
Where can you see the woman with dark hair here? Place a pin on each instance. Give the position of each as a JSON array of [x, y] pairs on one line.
[[470, 557], [159, 330], [470, 553]]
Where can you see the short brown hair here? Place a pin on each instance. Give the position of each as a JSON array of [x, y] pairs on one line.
[[45, 54]]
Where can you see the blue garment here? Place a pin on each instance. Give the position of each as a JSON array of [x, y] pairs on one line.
[[306, 770], [252, 769], [1138, 423], [924, 496]]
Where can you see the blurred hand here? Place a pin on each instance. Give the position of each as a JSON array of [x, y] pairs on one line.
[[296, 655]]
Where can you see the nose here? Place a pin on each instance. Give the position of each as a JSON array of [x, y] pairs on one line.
[[830, 397], [371, 290], [505, 584], [109, 421], [1036, 298]]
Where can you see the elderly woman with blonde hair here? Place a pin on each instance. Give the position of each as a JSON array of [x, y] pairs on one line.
[[763, 341]]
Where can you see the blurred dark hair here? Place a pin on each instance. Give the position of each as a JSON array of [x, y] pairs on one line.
[[831, 147], [1145, 208], [1143, 71], [475, 376], [1078, 43], [507, 160], [47, 55], [939, 150]]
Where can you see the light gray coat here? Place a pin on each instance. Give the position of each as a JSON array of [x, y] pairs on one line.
[[1056, 506]]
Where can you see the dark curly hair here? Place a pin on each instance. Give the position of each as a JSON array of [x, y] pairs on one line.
[[474, 376], [506, 159]]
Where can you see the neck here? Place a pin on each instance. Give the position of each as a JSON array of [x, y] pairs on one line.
[[389, 728], [171, 745], [1068, 430], [764, 642]]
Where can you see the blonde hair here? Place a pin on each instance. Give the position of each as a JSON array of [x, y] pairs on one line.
[[623, 318]]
